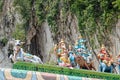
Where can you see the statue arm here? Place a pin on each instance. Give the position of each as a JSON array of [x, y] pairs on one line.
[[14, 55], [118, 62], [98, 56], [15, 51]]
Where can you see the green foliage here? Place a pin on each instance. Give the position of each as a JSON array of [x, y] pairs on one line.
[[65, 71], [19, 32], [1, 5], [44, 10], [4, 41], [117, 4], [47, 10], [95, 16], [24, 7]]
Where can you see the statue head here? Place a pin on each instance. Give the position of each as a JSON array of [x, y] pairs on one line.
[[76, 42], [103, 47], [80, 37], [62, 44], [70, 47], [17, 42]]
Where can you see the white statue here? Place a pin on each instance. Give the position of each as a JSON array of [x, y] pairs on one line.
[[20, 55]]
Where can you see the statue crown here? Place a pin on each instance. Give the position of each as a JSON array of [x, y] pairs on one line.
[[103, 46]]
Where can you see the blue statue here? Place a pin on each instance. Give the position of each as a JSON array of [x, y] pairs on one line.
[[71, 56], [81, 40], [104, 68], [80, 48]]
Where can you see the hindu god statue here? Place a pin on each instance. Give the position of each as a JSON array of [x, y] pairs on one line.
[[103, 49], [71, 55], [81, 42], [60, 50]]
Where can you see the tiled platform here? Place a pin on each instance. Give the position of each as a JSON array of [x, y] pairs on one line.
[[14, 74]]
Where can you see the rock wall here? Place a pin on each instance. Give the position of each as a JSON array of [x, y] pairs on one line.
[[9, 18], [6, 26], [115, 38], [44, 40]]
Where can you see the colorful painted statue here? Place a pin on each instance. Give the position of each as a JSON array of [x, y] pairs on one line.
[[20, 55], [102, 53], [81, 42], [89, 56], [103, 49], [57, 52], [71, 56], [75, 48], [106, 65], [80, 48], [83, 64], [118, 62], [65, 61], [64, 58], [32, 58], [62, 54], [106, 60], [60, 50]]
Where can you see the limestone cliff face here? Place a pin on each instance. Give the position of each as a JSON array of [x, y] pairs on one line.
[[42, 38], [6, 27], [8, 20], [115, 38]]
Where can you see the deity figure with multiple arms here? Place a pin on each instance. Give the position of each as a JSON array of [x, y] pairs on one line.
[[65, 59], [80, 48], [106, 60], [102, 53], [62, 54]]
